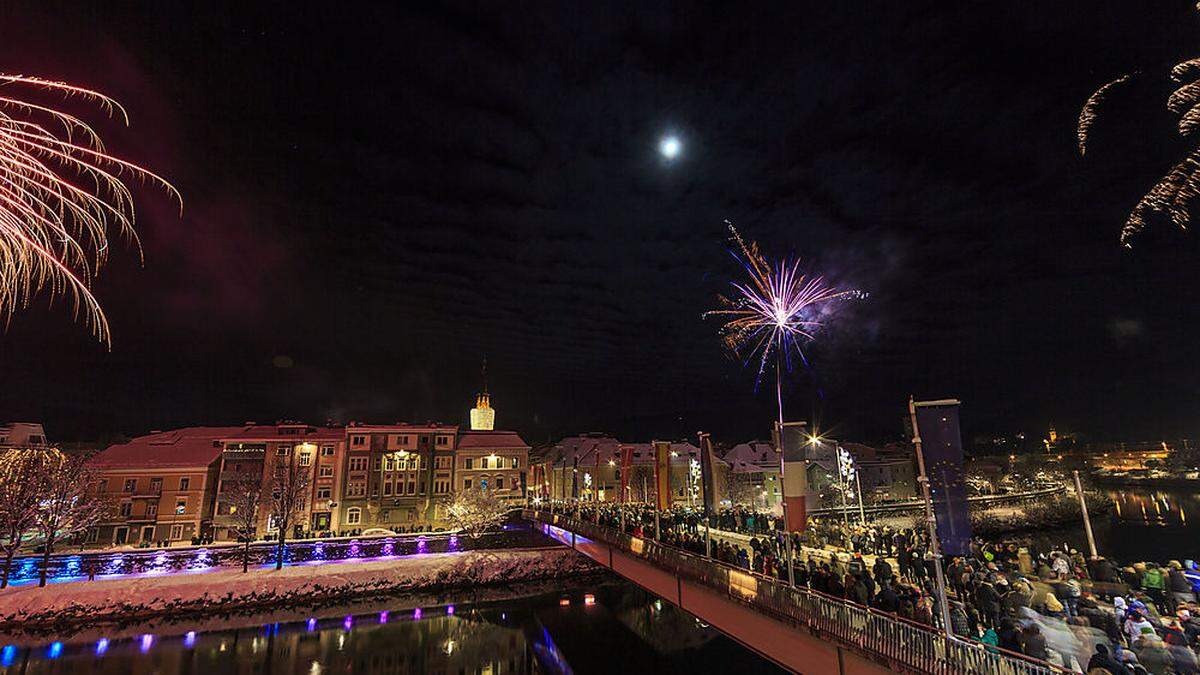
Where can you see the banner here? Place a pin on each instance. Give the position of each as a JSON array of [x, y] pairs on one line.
[[707, 481], [792, 444], [575, 477], [662, 474], [940, 457], [626, 469]]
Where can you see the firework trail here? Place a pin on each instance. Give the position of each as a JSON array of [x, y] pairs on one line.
[[776, 309], [61, 194], [1174, 192]]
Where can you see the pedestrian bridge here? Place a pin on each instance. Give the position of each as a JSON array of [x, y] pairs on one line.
[[799, 629]]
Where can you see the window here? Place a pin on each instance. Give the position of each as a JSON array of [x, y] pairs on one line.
[[441, 486], [327, 451], [421, 486], [177, 532], [130, 484], [467, 484], [441, 462], [181, 505], [93, 535], [499, 482], [412, 487], [442, 440], [468, 463], [412, 464], [185, 483], [326, 472], [353, 516], [358, 440], [103, 487], [358, 463], [324, 493], [152, 510], [378, 463], [516, 462], [156, 485], [283, 450], [126, 509], [356, 489], [387, 489], [404, 440], [305, 458]]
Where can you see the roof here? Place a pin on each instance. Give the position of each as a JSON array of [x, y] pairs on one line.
[[488, 440], [264, 432], [595, 449], [180, 448]]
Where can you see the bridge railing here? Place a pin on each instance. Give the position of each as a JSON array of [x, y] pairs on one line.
[[879, 634]]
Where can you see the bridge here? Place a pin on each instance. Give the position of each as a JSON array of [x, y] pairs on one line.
[[799, 629]]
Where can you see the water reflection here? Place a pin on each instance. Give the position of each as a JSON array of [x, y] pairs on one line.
[[606, 627]]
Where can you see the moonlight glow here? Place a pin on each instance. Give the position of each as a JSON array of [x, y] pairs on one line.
[[669, 147]]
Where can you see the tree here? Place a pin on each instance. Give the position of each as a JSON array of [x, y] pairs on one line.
[[742, 490], [476, 510], [245, 498], [289, 486], [19, 494], [67, 504]]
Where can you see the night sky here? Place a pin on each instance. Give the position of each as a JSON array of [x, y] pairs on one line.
[[378, 197]]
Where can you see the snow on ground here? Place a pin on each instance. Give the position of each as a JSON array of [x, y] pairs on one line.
[[228, 585]]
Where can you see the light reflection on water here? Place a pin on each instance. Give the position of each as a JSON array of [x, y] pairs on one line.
[[612, 624]]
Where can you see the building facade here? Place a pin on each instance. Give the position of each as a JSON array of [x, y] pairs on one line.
[[492, 460], [397, 476], [162, 487]]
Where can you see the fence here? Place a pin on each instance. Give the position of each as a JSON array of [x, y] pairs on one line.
[[883, 636]]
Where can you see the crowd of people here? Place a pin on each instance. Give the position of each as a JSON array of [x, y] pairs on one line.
[[1085, 615]]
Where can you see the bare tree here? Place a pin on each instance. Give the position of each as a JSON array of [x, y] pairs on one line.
[[476, 510], [245, 498], [19, 494], [67, 503], [741, 489], [289, 487]]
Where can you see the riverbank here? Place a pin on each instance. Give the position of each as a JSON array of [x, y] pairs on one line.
[[192, 597]]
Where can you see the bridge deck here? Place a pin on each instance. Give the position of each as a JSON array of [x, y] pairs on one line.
[[799, 629]]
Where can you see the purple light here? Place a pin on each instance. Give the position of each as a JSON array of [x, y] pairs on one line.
[[101, 646], [449, 610], [147, 642], [312, 624], [355, 549], [348, 622], [189, 639], [383, 617], [417, 614]]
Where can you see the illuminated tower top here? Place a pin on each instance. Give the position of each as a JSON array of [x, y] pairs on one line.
[[483, 418]]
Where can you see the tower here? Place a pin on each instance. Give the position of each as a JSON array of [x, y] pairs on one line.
[[483, 418]]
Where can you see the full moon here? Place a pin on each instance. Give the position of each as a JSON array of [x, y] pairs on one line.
[[669, 147]]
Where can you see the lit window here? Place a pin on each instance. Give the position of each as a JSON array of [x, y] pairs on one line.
[[305, 458], [130, 484], [516, 462]]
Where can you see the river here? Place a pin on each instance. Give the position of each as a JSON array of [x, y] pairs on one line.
[[1159, 524], [602, 625]]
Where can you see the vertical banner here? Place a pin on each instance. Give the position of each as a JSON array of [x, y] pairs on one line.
[[707, 480], [662, 474], [575, 477], [626, 469], [940, 455], [791, 443]]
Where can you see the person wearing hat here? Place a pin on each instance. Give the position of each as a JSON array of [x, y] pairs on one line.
[[1180, 585]]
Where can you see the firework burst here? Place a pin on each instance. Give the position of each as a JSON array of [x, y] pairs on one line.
[[775, 310], [1174, 192], [61, 194]]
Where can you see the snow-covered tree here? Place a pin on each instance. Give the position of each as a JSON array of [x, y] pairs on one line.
[[67, 502], [476, 510], [244, 498], [19, 492], [289, 488]]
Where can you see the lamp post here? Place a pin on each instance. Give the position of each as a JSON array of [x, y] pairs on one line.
[[1087, 522], [930, 522]]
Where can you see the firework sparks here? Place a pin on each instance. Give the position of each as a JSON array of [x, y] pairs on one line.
[[1174, 192], [61, 194], [776, 310]]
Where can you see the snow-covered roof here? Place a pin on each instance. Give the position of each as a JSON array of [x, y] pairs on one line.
[[489, 440], [187, 447]]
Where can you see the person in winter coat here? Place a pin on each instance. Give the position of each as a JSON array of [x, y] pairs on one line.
[[1009, 636], [1033, 643], [1154, 582], [958, 620], [1180, 585], [1104, 661], [887, 600]]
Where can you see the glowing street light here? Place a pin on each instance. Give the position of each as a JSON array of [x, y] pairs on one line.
[[669, 147]]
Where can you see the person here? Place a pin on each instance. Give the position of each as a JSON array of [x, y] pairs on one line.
[[1155, 585], [1155, 656], [1104, 661], [1137, 627], [1180, 585], [1033, 643]]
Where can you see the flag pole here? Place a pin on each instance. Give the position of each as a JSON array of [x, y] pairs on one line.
[[931, 522]]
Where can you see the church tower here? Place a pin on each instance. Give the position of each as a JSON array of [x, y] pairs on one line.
[[483, 418]]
